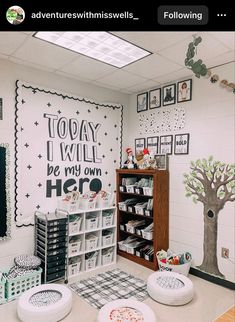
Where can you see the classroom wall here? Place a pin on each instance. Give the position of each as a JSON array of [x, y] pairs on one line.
[[22, 238], [210, 120]]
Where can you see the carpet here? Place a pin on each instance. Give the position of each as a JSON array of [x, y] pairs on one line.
[[109, 286]]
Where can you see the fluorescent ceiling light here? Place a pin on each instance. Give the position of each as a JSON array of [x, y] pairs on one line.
[[101, 46]]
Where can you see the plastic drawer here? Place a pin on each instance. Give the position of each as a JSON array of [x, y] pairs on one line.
[[55, 276], [51, 235], [54, 263], [52, 229], [51, 223], [53, 240], [56, 269], [51, 246], [51, 258]]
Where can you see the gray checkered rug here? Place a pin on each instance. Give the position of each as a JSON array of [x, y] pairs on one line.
[[110, 286]]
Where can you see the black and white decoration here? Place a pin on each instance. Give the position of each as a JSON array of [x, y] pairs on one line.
[[62, 143], [45, 298], [162, 120]]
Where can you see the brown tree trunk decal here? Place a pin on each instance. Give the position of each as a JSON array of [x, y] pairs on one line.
[[209, 263], [213, 184]]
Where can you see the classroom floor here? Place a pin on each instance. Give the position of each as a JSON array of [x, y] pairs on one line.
[[210, 301]]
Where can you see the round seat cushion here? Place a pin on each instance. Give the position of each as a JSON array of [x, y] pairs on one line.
[[45, 303], [27, 261], [170, 288], [125, 310]]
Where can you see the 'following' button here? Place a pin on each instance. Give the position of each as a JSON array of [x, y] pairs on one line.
[[182, 15]]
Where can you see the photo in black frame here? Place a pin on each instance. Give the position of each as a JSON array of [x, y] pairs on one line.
[[142, 102], [152, 145], [161, 161], [184, 91], [139, 145], [181, 145], [155, 98], [166, 142], [169, 95]]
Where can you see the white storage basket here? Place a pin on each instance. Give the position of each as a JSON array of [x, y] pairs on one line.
[[181, 268], [87, 203], [130, 188], [147, 234], [148, 191], [91, 242], [107, 219], [90, 263], [67, 205], [107, 239], [122, 206], [107, 258], [74, 268], [75, 226], [75, 247], [92, 222]]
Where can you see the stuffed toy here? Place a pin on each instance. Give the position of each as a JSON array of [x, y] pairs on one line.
[[146, 159], [130, 163], [139, 159]]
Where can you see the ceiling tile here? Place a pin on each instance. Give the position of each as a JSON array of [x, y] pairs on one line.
[[227, 38], [175, 76], [114, 88], [88, 68], [10, 41], [82, 79], [152, 66], [44, 54], [153, 41], [221, 59], [145, 86], [120, 79], [207, 49], [26, 63]]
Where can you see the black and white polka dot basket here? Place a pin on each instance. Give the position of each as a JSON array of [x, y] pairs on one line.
[[27, 261]]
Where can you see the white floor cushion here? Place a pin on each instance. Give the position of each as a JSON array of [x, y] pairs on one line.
[[45, 303], [125, 310], [170, 288]]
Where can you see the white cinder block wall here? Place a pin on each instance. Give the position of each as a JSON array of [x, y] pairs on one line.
[[210, 120], [22, 238]]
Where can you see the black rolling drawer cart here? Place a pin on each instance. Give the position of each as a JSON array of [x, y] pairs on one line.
[[51, 234]]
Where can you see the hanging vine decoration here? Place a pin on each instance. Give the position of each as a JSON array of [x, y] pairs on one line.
[[199, 68]]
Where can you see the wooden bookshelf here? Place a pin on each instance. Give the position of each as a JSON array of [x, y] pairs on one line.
[[160, 216]]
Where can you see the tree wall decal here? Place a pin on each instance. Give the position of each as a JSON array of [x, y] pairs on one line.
[[212, 183]]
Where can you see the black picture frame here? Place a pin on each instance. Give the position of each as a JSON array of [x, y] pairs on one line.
[[152, 144], [169, 95], [155, 98], [166, 143], [181, 144], [142, 102], [139, 145], [161, 161], [184, 91]]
